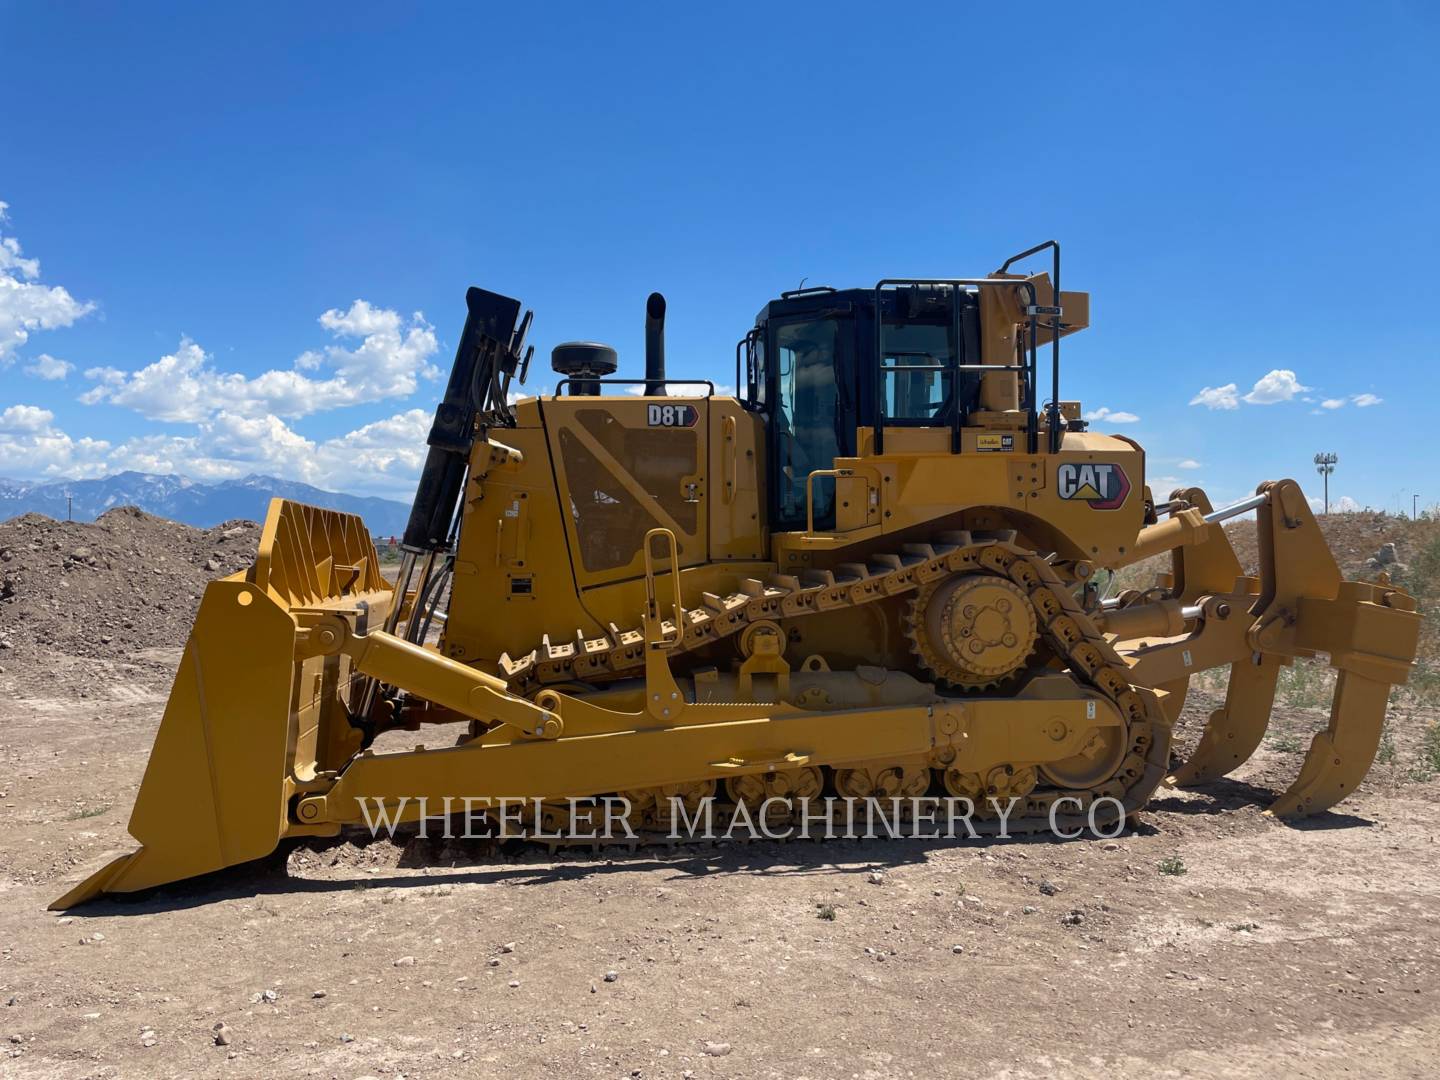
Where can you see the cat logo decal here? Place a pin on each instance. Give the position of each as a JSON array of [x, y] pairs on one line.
[[1102, 485]]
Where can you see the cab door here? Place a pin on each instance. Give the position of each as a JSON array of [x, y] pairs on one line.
[[812, 420], [626, 466]]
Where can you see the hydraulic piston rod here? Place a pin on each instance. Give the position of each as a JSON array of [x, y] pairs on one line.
[[1244, 506]]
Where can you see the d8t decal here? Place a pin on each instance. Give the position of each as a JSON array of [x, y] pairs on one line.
[[671, 415]]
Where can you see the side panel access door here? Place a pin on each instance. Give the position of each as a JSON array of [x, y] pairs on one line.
[[737, 448], [626, 466]]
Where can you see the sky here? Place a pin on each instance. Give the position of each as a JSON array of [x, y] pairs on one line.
[[236, 239]]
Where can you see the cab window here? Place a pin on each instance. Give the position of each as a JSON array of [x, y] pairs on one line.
[[807, 416], [914, 359]]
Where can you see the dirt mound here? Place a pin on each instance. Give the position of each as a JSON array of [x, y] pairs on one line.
[[127, 582], [1354, 540]]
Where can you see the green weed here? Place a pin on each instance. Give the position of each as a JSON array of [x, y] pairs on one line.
[[1287, 744], [1386, 754], [1430, 748], [1172, 866], [1305, 685]]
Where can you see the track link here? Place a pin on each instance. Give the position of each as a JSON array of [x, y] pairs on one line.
[[1063, 624], [619, 652]]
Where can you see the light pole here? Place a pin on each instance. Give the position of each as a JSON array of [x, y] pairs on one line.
[[1415, 506], [1325, 465]]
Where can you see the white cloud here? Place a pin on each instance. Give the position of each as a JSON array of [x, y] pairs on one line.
[[1362, 401], [53, 454], [108, 375], [49, 368], [1340, 504], [388, 454], [165, 454], [264, 439], [1218, 397], [172, 388], [240, 424], [1279, 385], [31, 448], [381, 458], [362, 320], [1190, 463], [239, 421], [407, 430], [25, 418], [1272, 388], [26, 305], [1106, 415], [185, 387]]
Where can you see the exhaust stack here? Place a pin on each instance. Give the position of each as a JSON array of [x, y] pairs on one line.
[[654, 345]]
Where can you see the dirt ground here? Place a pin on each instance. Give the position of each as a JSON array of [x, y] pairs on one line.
[[1310, 951]]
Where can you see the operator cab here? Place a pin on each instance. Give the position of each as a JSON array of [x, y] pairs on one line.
[[820, 369]]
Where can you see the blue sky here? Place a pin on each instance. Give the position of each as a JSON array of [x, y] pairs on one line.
[[237, 239]]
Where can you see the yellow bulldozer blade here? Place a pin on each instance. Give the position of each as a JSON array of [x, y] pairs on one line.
[[226, 762], [202, 804]]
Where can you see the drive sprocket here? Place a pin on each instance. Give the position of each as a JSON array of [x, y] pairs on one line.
[[972, 630]]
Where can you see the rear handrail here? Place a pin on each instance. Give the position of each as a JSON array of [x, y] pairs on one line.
[[1055, 312], [709, 386], [957, 419]]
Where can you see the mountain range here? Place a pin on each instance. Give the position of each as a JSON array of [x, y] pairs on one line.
[[190, 501]]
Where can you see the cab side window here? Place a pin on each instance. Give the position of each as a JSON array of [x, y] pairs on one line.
[[914, 358], [807, 416]]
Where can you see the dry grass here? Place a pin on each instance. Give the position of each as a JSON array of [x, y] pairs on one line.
[[80, 814]]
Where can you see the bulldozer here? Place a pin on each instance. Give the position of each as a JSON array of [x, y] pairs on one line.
[[876, 569]]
